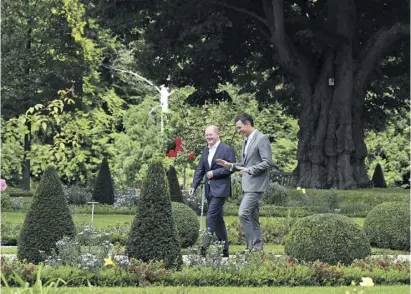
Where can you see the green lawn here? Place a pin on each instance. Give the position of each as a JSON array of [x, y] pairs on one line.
[[240, 290], [102, 221]]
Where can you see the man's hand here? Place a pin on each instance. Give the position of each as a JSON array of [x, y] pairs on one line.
[[223, 162], [243, 170], [191, 191], [210, 174]]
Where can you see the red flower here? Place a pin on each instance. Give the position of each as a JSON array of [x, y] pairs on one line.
[[178, 141], [191, 156], [172, 153], [179, 148]]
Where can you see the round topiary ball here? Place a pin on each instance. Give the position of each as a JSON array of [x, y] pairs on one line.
[[388, 225], [187, 224], [330, 238]]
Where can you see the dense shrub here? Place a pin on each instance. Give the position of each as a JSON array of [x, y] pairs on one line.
[[378, 177], [17, 192], [47, 220], [6, 202], [388, 225], [329, 238], [187, 224], [276, 195], [153, 234], [103, 189], [194, 201], [175, 191], [77, 195]]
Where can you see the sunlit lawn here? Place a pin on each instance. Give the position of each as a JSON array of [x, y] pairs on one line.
[[102, 221], [240, 290]]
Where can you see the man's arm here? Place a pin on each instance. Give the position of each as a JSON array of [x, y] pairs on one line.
[[264, 149], [229, 156], [199, 173]]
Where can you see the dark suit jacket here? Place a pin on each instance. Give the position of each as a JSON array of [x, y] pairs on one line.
[[220, 184]]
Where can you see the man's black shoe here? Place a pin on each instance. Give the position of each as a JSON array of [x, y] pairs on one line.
[[225, 253], [203, 251]]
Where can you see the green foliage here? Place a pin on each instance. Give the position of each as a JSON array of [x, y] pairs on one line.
[[77, 195], [390, 148], [276, 195], [5, 201], [329, 238], [153, 234], [187, 224], [388, 225], [17, 192], [378, 177], [175, 192], [104, 191], [47, 220]]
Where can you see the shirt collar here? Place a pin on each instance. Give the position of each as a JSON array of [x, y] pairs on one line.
[[251, 135], [215, 145]]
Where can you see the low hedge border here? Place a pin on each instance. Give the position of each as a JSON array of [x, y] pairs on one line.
[[294, 275]]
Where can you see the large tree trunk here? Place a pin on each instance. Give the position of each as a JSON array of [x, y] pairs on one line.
[[331, 150]]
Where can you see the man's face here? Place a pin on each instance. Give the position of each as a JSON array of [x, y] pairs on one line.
[[211, 136], [243, 129]]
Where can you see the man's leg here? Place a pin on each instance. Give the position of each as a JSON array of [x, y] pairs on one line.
[[258, 239], [220, 228], [247, 215], [215, 208]]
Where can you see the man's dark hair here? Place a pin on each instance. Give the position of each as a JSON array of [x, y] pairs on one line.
[[245, 118]]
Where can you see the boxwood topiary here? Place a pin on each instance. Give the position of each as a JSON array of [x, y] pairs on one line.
[[153, 234], [175, 191], [47, 220], [330, 238], [104, 191], [187, 224], [388, 225]]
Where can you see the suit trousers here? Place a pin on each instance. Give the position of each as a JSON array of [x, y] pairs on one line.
[[215, 221], [249, 214]]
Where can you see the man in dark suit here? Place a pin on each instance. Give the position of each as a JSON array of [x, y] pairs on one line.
[[217, 185], [256, 161]]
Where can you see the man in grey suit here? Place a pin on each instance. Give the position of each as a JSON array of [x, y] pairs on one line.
[[255, 163]]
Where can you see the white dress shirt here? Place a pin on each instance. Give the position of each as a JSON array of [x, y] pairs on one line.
[[248, 141], [211, 152]]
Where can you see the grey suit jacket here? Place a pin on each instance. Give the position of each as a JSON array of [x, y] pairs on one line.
[[258, 160]]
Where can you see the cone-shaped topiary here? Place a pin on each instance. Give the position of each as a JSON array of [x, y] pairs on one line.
[[378, 177], [175, 192], [330, 238], [153, 234], [388, 225], [187, 224], [103, 190], [47, 220]]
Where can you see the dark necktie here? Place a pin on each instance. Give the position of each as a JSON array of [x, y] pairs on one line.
[[245, 146]]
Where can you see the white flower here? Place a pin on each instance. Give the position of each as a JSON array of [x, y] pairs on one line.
[[303, 190], [298, 188], [366, 282]]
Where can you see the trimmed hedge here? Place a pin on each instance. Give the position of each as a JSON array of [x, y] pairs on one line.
[[187, 224], [17, 192], [175, 192], [327, 237], [153, 234], [388, 225], [103, 189], [378, 177], [47, 220]]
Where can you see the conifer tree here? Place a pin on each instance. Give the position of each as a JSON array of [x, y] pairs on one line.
[[47, 220], [153, 234], [104, 190], [175, 191]]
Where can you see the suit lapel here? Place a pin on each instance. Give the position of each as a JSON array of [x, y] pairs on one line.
[[251, 144], [206, 150], [216, 154]]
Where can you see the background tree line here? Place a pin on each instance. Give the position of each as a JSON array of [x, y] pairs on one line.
[[62, 101]]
